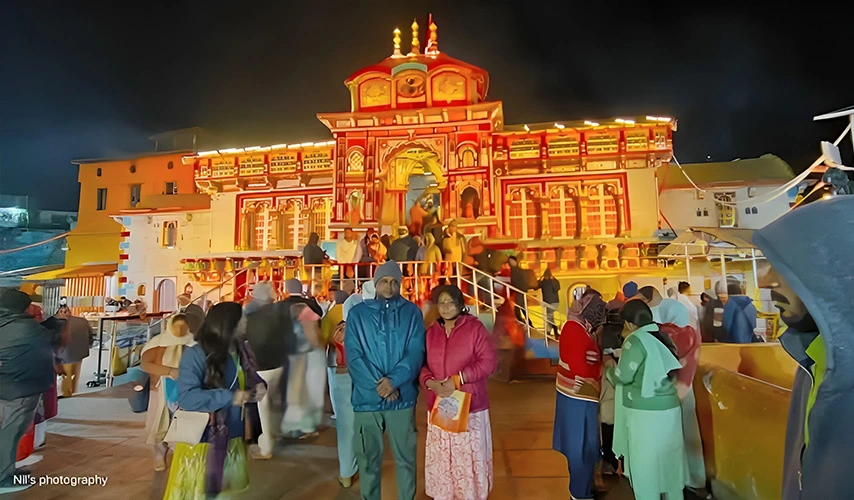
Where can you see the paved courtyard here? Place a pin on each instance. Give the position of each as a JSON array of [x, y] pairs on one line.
[[97, 434]]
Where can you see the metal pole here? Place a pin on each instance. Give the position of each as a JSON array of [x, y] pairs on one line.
[[755, 273], [723, 270], [688, 263]]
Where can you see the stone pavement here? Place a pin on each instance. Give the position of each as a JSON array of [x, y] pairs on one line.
[[97, 434]]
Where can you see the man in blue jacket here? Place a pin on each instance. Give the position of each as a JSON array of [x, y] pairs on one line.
[[385, 352]]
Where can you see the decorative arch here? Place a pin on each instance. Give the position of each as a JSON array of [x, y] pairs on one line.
[[356, 159], [470, 195], [399, 163]]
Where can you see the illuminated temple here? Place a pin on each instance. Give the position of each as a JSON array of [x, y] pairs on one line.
[[421, 136]]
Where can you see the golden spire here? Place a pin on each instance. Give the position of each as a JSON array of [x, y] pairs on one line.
[[416, 45], [396, 43], [433, 43]]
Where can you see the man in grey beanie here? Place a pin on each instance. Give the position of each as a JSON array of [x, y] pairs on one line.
[[385, 352]]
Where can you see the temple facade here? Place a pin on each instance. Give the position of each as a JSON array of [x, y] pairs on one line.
[[421, 144]]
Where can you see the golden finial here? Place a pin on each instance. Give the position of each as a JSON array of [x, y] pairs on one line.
[[433, 43], [397, 43], [416, 45]]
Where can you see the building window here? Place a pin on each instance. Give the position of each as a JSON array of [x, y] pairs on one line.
[[637, 141], [170, 165], [170, 234], [356, 161], [754, 211], [102, 199], [98, 172], [171, 188], [267, 227], [135, 194], [223, 167], [318, 217], [660, 139], [467, 156], [602, 143], [133, 169], [726, 213], [602, 218], [564, 146], [283, 162], [317, 160], [252, 165], [522, 214], [563, 221], [524, 148]]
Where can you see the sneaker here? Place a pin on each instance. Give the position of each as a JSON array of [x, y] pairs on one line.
[[346, 482], [256, 454]]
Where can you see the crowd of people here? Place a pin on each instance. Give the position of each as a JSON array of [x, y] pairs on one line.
[[261, 371], [229, 383]]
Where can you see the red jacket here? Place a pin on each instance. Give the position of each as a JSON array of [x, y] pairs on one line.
[[468, 350], [574, 344]]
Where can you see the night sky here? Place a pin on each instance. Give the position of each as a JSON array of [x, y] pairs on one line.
[[94, 78]]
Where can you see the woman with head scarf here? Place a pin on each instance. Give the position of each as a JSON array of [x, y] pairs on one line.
[[576, 427], [161, 357], [460, 354], [648, 417], [217, 375], [686, 339]]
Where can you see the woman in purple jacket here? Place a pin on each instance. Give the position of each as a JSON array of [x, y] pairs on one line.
[[459, 466]]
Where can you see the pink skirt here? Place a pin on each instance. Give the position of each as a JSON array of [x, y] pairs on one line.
[[459, 466]]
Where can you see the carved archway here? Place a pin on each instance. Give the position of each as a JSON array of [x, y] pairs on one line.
[[399, 163]]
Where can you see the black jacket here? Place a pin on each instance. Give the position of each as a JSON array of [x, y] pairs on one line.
[[26, 356]]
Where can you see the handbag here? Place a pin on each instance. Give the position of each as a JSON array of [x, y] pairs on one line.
[[189, 426]]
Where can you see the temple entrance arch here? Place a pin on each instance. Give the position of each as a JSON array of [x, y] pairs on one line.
[[412, 175]]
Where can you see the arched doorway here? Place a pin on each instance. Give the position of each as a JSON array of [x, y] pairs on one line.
[[165, 295], [412, 179]]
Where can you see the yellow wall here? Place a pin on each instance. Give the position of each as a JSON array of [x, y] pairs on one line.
[[743, 424], [96, 237], [643, 202], [743, 394], [767, 362]]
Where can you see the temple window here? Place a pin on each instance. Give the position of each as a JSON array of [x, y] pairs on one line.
[[602, 218], [223, 167], [262, 227], [252, 165], [726, 213], [602, 143], [637, 140], [563, 222], [524, 148], [356, 161], [317, 160], [470, 203], [564, 146], [204, 168], [170, 234], [318, 218], [283, 162], [468, 157], [522, 214], [660, 139]]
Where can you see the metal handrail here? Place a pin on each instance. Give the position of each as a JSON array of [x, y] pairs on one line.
[[458, 272]]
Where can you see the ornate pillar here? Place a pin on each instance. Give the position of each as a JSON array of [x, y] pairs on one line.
[[583, 200]]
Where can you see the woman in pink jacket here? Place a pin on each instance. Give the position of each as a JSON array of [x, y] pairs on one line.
[[459, 466]]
